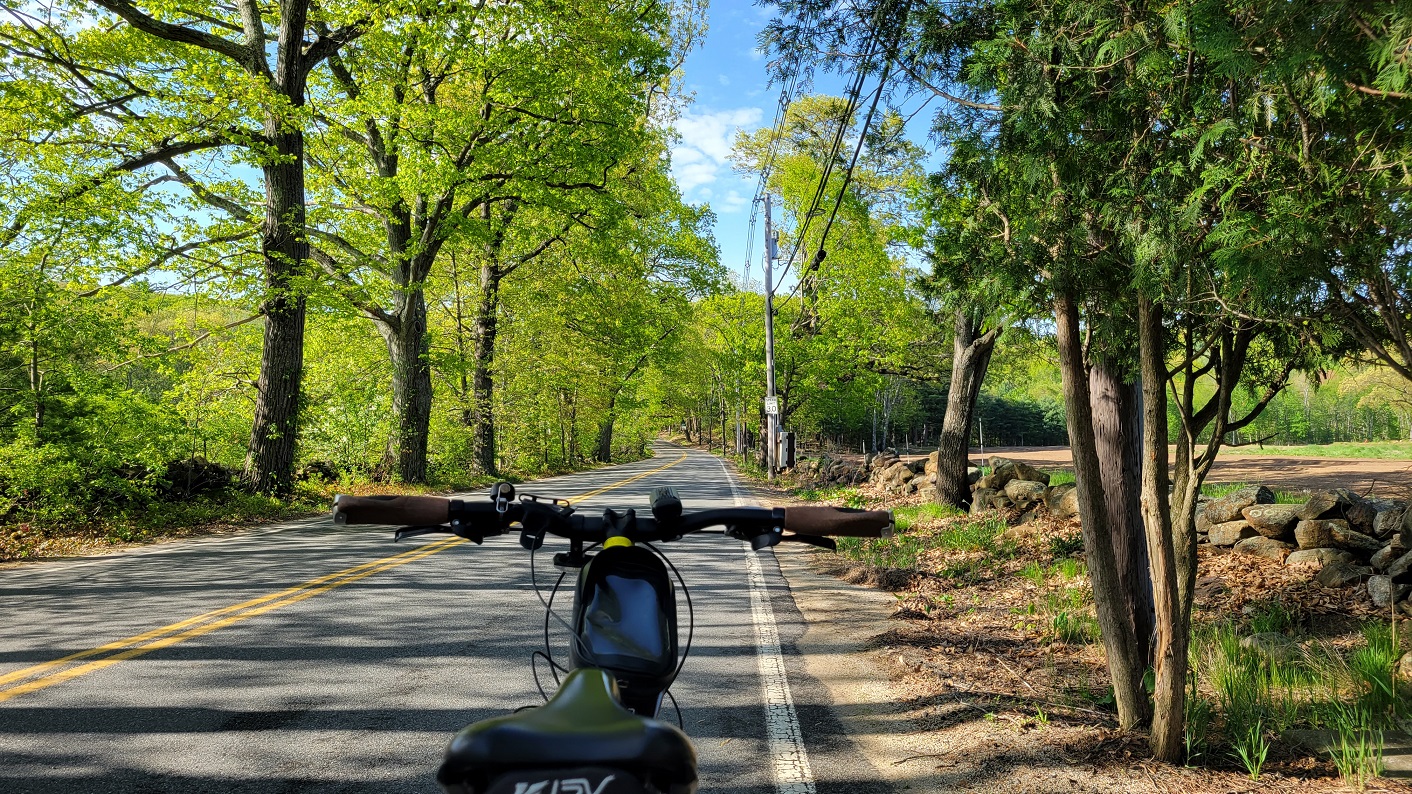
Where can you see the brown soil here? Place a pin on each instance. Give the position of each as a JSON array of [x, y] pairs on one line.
[[1368, 476]]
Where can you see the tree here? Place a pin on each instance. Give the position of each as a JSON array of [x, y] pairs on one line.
[[266, 59], [473, 138]]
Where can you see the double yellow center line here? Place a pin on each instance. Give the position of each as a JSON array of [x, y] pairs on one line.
[[47, 674]]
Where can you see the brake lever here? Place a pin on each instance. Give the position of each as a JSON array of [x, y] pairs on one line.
[[412, 532], [813, 540]]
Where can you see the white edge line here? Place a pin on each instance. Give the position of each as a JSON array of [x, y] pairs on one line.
[[785, 739]]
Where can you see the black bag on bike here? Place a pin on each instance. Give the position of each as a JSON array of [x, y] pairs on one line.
[[626, 623]]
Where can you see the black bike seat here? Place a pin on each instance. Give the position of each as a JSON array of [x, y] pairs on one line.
[[582, 725]]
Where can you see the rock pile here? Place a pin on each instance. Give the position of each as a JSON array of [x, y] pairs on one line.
[[1018, 485], [1349, 540]]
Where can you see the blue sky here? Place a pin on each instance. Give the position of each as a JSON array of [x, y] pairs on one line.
[[727, 81]]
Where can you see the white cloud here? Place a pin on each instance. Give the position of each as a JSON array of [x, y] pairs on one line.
[[724, 80], [732, 202], [699, 159]]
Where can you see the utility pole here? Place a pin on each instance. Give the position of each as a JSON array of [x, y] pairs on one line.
[[772, 417]]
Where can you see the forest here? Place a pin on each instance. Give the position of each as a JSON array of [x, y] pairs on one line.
[[423, 257]]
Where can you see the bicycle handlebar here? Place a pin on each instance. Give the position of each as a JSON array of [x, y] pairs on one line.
[[480, 519], [420, 510]]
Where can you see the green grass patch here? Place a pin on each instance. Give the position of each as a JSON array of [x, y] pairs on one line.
[[905, 548], [910, 515], [1255, 695], [1381, 450], [1061, 476], [1217, 490]]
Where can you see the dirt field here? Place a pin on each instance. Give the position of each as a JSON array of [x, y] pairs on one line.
[[1367, 476]]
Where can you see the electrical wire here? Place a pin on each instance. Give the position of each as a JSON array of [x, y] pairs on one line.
[[853, 162], [850, 108]]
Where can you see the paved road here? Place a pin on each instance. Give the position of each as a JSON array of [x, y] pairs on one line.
[[311, 658]]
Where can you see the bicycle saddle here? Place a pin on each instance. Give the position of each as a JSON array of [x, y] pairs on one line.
[[582, 725]]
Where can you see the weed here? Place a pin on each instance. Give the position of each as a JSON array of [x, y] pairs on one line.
[[1068, 569], [1252, 746], [1197, 725], [1357, 744], [1074, 628], [1373, 669], [1061, 477], [1066, 545], [1035, 573], [914, 514], [1272, 617]]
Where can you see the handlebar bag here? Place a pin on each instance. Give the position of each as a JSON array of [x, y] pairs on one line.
[[625, 615]]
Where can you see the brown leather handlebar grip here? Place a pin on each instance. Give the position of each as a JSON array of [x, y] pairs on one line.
[[841, 521], [401, 510]]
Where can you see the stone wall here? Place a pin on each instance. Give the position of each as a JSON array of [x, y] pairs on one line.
[[1348, 540]]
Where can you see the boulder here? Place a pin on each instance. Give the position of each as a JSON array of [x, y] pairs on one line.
[[1316, 533], [1231, 532], [1003, 470], [1404, 667], [933, 462], [1203, 524], [893, 476], [1384, 593], [196, 475], [1062, 500], [1342, 574], [1000, 501], [1383, 557], [1229, 507], [1018, 533], [1343, 504], [972, 475], [980, 499], [1319, 557], [1024, 492], [929, 492], [1401, 565], [1353, 540], [1389, 521], [1272, 521], [918, 466], [1269, 548]]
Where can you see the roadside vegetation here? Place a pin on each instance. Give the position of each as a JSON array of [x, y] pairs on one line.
[[1284, 686]]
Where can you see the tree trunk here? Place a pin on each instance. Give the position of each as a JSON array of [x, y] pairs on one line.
[[269, 464], [406, 340], [604, 452], [482, 413], [970, 360], [1124, 665], [1116, 407], [1172, 627]]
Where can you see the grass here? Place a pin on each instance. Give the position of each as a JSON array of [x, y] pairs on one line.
[[1219, 489], [910, 515], [1255, 696], [848, 494], [1382, 450], [905, 548]]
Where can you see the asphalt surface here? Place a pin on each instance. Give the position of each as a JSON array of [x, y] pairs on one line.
[[317, 675]]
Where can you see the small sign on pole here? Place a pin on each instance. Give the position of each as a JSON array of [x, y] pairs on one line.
[[772, 406]]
